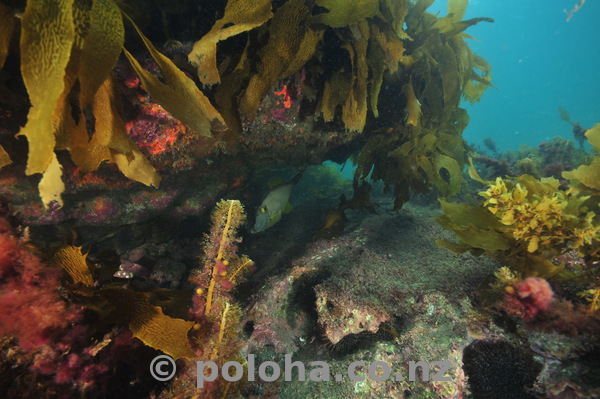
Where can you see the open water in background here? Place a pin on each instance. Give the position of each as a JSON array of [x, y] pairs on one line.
[[539, 62]]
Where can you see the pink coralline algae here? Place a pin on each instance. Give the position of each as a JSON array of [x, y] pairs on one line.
[[98, 210], [156, 200], [530, 296], [37, 214], [155, 130], [73, 364]]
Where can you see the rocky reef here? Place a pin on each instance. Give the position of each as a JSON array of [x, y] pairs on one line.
[[124, 125]]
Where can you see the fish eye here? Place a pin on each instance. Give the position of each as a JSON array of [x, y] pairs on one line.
[[263, 209]]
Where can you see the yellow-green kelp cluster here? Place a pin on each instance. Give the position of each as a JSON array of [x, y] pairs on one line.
[[527, 223], [438, 69], [384, 67], [67, 52]]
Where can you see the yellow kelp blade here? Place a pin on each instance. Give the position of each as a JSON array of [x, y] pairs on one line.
[[110, 141], [343, 13], [473, 174], [588, 175], [291, 43], [240, 16], [452, 186], [101, 48], [4, 158], [457, 8], [99, 37], [70, 259], [86, 154], [413, 106], [112, 134], [394, 12], [138, 168], [110, 127], [477, 84], [178, 94], [335, 92], [62, 119], [149, 324], [386, 52], [47, 34], [354, 111], [51, 186], [593, 136]]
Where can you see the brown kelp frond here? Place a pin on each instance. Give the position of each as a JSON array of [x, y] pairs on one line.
[[68, 50], [359, 65], [177, 93], [342, 13], [240, 16], [431, 69], [134, 309], [47, 35], [148, 322], [292, 42]]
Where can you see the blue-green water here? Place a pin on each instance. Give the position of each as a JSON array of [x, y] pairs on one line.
[[539, 62]]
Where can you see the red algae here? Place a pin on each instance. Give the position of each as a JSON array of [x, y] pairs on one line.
[[31, 308]]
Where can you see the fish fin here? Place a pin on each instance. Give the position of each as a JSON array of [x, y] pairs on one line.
[[274, 218], [288, 208], [297, 178]]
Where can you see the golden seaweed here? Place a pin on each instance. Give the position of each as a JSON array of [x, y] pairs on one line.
[[477, 83], [4, 158], [394, 12], [593, 137], [386, 54], [51, 186], [101, 48], [178, 94], [70, 259], [457, 9], [240, 16], [335, 92], [343, 13], [589, 175], [433, 68], [47, 34], [291, 44], [149, 324], [354, 111]]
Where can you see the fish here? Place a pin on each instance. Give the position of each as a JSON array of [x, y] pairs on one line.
[[333, 224], [334, 220], [275, 204]]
